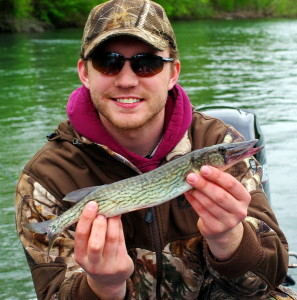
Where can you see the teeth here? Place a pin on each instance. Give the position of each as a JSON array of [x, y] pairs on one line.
[[128, 100]]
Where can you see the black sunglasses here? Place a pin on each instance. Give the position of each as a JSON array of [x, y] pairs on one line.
[[143, 65]]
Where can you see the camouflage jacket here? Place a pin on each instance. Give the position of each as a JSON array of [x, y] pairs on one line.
[[170, 255]]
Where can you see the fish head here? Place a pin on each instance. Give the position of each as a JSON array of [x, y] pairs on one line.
[[223, 156], [235, 152]]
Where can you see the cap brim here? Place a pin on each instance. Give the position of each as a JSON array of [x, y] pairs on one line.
[[155, 41]]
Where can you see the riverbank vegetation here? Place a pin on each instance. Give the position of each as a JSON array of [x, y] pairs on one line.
[[38, 15]]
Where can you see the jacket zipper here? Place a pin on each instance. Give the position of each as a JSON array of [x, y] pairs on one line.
[[151, 218]]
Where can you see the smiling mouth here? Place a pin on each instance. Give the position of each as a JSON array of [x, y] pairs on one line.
[[127, 100]]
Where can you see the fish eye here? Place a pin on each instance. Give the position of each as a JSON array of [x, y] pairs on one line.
[[222, 150]]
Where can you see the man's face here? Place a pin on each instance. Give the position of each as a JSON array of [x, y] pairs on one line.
[[126, 101]]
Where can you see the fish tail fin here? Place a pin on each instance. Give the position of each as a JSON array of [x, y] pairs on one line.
[[42, 227]]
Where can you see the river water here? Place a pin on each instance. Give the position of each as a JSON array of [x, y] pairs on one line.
[[244, 64]]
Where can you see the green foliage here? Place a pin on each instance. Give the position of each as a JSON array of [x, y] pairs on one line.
[[22, 8], [185, 9], [62, 13], [285, 8], [65, 13], [17, 8], [274, 8], [226, 5], [194, 9]]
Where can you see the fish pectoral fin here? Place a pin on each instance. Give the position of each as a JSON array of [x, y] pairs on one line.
[[78, 195]]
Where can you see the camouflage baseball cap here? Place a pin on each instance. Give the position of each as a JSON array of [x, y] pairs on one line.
[[143, 19]]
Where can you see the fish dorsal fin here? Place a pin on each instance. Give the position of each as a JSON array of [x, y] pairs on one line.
[[78, 195]]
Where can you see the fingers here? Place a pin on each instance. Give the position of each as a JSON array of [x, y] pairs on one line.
[[101, 252], [104, 238], [213, 219], [218, 198], [83, 229], [219, 186], [225, 180], [112, 237], [97, 239]]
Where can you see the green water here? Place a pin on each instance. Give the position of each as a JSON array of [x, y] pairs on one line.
[[248, 64]]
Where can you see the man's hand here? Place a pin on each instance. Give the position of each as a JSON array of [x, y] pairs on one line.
[[221, 203], [100, 249]]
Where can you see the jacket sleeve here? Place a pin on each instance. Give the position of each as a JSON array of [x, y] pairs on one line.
[[57, 275], [261, 261]]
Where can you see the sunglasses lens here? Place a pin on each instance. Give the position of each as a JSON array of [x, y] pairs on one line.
[[143, 65], [108, 63], [146, 65]]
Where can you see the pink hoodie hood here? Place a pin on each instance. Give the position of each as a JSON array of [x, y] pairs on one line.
[[84, 118]]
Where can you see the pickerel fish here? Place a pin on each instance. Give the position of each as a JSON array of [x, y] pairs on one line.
[[145, 190]]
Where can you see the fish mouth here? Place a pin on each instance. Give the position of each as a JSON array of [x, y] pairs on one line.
[[240, 151]]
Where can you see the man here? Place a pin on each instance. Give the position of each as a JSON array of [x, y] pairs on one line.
[[219, 241]]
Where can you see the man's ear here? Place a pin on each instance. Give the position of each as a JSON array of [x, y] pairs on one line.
[[83, 73], [175, 71]]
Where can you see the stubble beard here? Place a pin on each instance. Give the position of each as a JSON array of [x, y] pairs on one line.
[[127, 123]]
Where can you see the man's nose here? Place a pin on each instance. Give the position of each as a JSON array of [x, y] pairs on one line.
[[126, 77]]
